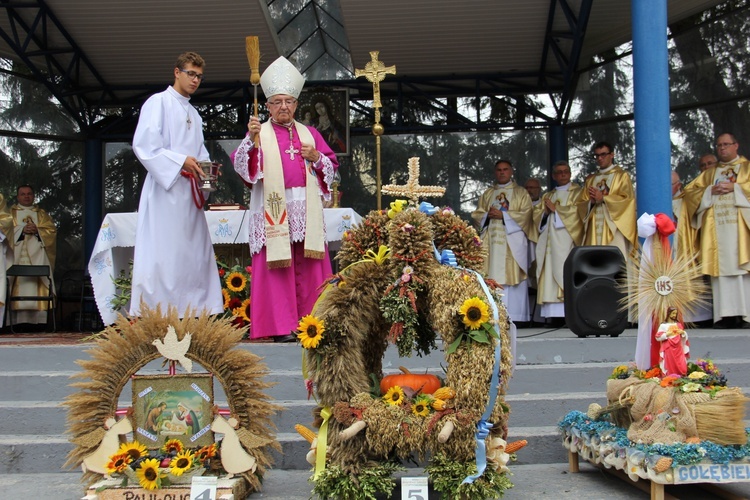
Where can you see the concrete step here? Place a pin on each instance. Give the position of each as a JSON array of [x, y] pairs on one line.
[[26, 453]]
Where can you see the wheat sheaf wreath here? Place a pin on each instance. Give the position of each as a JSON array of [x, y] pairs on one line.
[[126, 346]]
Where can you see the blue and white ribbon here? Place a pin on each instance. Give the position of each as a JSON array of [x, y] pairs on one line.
[[448, 258], [427, 208]]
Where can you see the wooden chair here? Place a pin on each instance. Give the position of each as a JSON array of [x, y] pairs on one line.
[[17, 271]]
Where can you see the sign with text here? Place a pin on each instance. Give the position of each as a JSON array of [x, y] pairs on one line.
[[711, 473], [203, 488], [414, 488]]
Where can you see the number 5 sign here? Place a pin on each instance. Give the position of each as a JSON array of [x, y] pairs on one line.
[[414, 488]]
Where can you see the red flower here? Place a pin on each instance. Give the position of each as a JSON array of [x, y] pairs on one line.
[[222, 272], [234, 304]]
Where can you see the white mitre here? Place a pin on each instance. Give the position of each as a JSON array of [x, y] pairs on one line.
[[281, 77]]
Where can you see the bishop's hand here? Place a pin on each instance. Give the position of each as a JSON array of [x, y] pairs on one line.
[[253, 126]]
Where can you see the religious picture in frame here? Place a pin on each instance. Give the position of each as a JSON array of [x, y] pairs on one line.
[[328, 111], [173, 407]]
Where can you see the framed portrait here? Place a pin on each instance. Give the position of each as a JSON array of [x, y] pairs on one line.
[[328, 111], [173, 407]]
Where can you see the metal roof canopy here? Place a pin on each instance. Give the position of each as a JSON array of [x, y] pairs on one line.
[[95, 55]]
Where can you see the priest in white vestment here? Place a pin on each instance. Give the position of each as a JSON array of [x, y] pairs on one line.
[[719, 208], [174, 263], [685, 246], [32, 238], [3, 251], [606, 204], [560, 229], [504, 218]]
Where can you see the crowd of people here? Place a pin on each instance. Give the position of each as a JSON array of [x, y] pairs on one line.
[[529, 235]]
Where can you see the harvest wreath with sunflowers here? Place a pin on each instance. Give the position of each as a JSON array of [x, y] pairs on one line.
[[408, 273], [150, 447]]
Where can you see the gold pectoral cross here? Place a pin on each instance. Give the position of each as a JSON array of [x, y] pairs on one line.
[[274, 203]]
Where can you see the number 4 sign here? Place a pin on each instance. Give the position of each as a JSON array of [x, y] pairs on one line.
[[203, 488], [414, 488]]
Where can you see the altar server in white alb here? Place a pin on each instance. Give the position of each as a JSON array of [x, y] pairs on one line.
[[174, 262]]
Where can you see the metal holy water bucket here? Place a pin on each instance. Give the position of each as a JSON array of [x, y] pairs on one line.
[[210, 175]]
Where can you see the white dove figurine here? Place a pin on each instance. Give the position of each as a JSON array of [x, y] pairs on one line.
[[174, 349]]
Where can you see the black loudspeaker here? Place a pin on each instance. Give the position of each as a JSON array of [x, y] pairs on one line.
[[592, 297]]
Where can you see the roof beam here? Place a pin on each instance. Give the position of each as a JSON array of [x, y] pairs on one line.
[[39, 40]]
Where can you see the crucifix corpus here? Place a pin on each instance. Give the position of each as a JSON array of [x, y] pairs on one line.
[[375, 72]]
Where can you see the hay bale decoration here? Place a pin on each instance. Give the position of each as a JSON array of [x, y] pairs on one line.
[[393, 288]]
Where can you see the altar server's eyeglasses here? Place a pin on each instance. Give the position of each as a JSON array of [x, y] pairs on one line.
[[600, 155], [193, 75]]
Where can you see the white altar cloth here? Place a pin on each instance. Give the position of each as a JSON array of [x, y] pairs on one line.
[[114, 245]]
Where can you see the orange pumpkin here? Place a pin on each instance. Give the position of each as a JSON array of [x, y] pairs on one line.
[[426, 383]]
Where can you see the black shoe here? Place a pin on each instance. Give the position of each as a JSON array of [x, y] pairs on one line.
[[724, 323], [285, 338]]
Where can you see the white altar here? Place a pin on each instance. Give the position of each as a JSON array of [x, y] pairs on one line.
[[114, 245]]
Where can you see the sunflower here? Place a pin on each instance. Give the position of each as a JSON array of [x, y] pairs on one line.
[[474, 312], [421, 407], [135, 449], [246, 309], [236, 282], [310, 331], [118, 462], [148, 474], [208, 451], [395, 396], [172, 446], [181, 463], [227, 297]]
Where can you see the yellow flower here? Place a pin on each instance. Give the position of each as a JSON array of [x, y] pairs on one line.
[[310, 331], [395, 396], [181, 463], [421, 407], [236, 282], [148, 474], [396, 207], [172, 446], [691, 387], [118, 462], [474, 312], [227, 297], [135, 449], [696, 375], [243, 311]]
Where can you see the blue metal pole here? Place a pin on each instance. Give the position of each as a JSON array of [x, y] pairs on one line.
[[558, 149], [93, 195], [651, 94]]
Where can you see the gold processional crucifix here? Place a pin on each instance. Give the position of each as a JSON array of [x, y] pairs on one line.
[[412, 189], [375, 72]]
